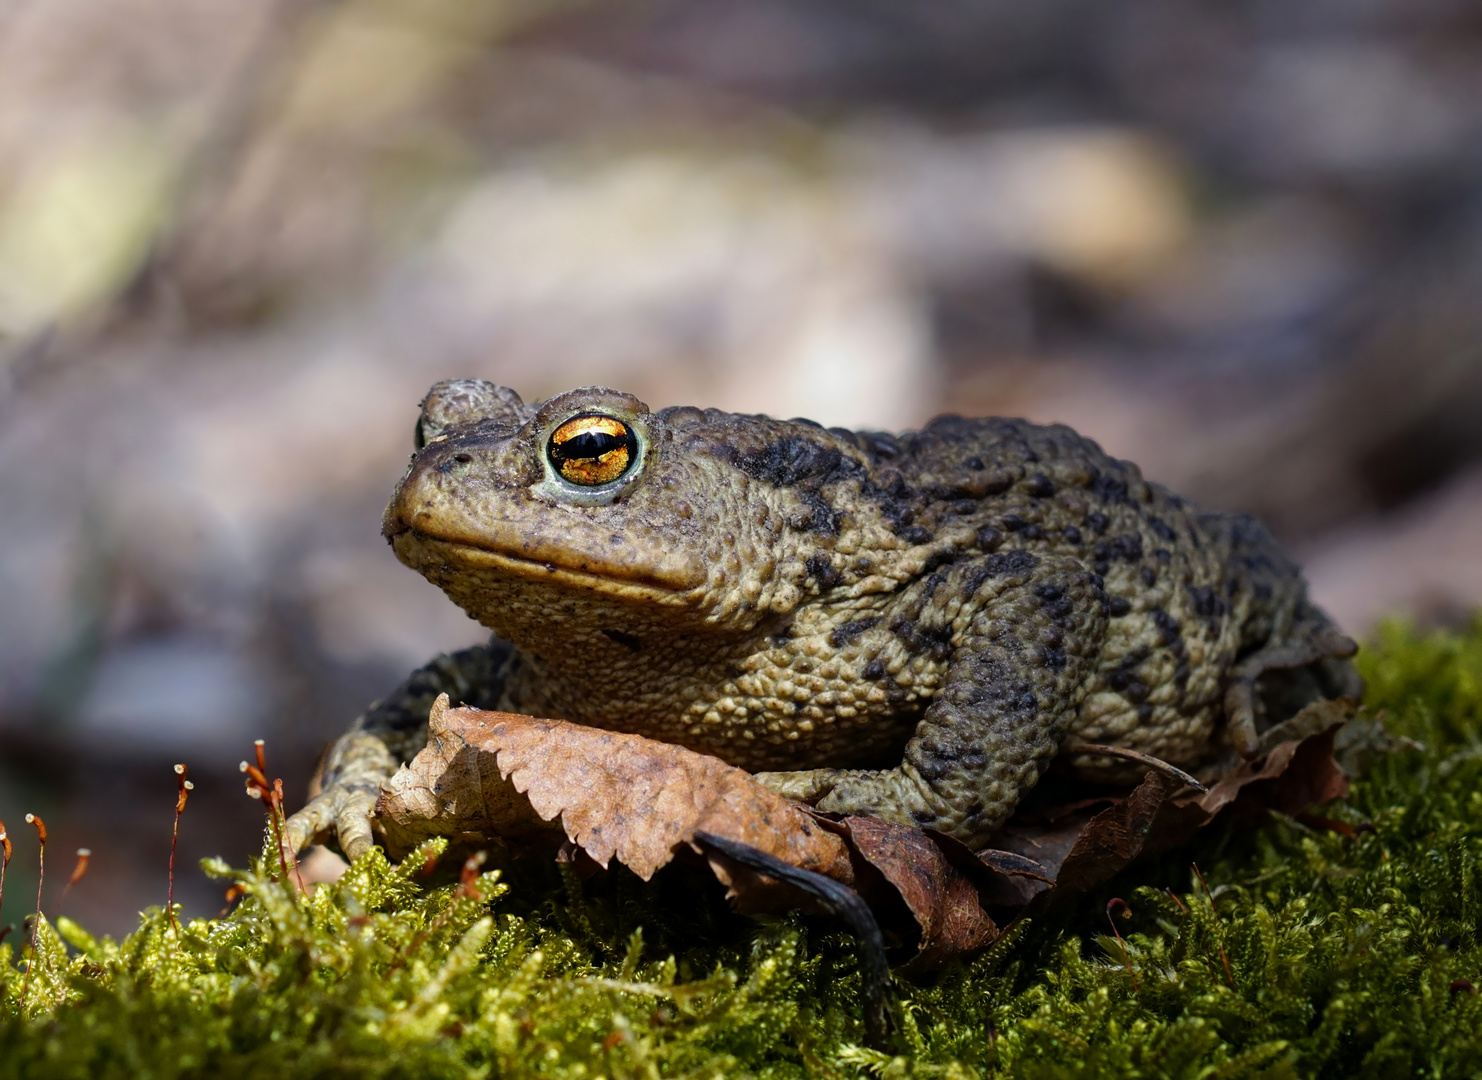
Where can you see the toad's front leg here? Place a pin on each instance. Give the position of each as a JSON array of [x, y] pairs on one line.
[[1018, 674], [391, 732]]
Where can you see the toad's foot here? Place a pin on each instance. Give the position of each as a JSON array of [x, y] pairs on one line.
[[345, 809]]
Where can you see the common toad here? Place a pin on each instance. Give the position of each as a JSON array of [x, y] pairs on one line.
[[907, 626]]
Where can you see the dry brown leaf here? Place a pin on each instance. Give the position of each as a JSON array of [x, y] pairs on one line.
[[943, 901], [616, 795]]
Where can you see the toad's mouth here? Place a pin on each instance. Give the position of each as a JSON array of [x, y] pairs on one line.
[[438, 557]]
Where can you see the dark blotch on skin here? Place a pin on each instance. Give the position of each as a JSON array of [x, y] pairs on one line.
[[989, 538], [1127, 547], [1110, 487], [1207, 603], [1117, 607], [1040, 486], [874, 670], [843, 635], [790, 461], [1010, 562], [628, 641], [822, 517], [1169, 630]]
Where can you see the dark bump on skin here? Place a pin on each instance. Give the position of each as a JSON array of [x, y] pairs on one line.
[[975, 464], [1148, 575], [1012, 522], [989, 538], [1071, 534], [1162, 528], [998, 484], [1033, 532], [1163, 556], [822, 571], [1040, 487], [875, 669], [973, 580], [1097, 522], [1116, 606], [916, 534]]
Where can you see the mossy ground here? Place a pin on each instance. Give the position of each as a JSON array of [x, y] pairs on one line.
[[1317, 954]]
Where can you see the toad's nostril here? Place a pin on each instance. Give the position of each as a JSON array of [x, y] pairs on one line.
[[462, 459]]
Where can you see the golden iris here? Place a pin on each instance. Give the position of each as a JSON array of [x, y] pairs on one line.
[[592, 450]]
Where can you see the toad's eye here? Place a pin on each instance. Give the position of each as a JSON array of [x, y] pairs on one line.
[[592, 450]]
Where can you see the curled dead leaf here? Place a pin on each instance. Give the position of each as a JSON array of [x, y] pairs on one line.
[[615, 795]]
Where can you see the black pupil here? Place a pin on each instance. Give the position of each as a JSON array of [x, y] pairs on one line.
[[587, 445]]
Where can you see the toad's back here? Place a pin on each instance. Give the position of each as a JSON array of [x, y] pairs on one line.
[[1200, 605]]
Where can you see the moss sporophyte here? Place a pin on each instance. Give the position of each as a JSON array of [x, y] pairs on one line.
[[1301, 951]]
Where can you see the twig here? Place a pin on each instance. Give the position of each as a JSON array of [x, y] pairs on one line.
[[1151, 762]]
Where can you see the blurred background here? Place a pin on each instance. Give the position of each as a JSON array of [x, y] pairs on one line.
[[1240, 244]]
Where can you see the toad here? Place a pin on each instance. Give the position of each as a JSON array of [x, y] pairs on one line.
[[906, 626]]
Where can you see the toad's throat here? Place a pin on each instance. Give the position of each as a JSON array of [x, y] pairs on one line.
[[433, 554]]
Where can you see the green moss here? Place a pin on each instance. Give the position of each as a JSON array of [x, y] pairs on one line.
[[1317, 955]]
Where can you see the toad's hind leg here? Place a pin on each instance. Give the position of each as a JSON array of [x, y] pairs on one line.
[[1018, 673], [1312, 643]]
